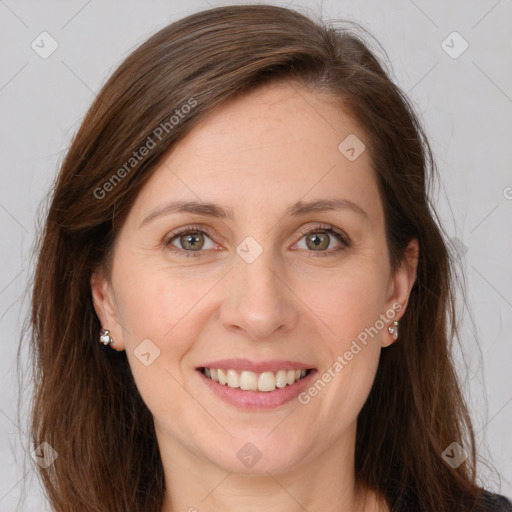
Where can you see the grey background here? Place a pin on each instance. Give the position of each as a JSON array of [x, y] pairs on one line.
[[464, 102]]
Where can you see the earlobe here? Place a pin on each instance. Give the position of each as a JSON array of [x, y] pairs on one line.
[[105, 307], [402, 283]]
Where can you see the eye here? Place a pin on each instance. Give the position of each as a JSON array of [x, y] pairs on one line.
[[319, 238], [190, 240]]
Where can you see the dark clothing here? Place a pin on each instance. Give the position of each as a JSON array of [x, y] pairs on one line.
[[497, 503], [486, 502]]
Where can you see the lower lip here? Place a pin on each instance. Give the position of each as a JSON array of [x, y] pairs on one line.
[[258, 400]]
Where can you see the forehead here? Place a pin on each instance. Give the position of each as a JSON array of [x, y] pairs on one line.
[[267, 149]]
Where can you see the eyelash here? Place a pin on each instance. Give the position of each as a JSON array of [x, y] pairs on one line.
[[345, 241]]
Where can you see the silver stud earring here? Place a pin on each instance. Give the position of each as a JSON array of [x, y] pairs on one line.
[[105, 338], [394, 330]]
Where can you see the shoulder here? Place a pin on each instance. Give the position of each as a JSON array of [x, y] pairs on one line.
[[496, 502]]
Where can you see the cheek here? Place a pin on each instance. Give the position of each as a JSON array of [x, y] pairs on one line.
[[160, 329], [156, 304], [349, 304], [347, 301], [159, 319]]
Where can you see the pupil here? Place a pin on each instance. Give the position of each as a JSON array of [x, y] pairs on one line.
[[317, 241], [192, 240]]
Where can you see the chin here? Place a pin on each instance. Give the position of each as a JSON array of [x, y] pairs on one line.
[[259, 454]]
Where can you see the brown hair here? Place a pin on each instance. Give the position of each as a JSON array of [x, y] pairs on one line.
[[86, 405]]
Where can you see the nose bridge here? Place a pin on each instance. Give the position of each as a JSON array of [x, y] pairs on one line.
[[257, 300]]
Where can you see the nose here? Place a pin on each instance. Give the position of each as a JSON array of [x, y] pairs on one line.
[[258, 301]]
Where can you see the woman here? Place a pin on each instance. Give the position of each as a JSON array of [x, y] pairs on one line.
[[243, 299]]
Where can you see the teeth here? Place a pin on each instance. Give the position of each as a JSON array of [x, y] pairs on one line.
[[233, 379], [251, 381], [248, 381], [266, 381], [281, 379], [223, 378]]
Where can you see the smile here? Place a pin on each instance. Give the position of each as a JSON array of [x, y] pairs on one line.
[[251, 381]]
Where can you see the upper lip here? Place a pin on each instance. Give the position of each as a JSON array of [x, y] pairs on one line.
[[257, 367]]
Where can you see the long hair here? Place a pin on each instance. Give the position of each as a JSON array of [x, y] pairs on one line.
[[86, 405]]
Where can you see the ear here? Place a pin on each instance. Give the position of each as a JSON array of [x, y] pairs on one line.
[[104, 304], [401, 285]]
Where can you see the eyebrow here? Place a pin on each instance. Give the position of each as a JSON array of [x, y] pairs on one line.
[[213, 210]]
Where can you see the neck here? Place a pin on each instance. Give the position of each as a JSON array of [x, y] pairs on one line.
[[326, 482]]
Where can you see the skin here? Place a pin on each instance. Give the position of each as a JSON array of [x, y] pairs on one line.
[[257, 155]]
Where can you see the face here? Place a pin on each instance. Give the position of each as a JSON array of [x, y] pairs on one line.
[[263, 286]]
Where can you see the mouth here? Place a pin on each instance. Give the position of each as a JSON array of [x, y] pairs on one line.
[[247, 380], [251, 386]]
